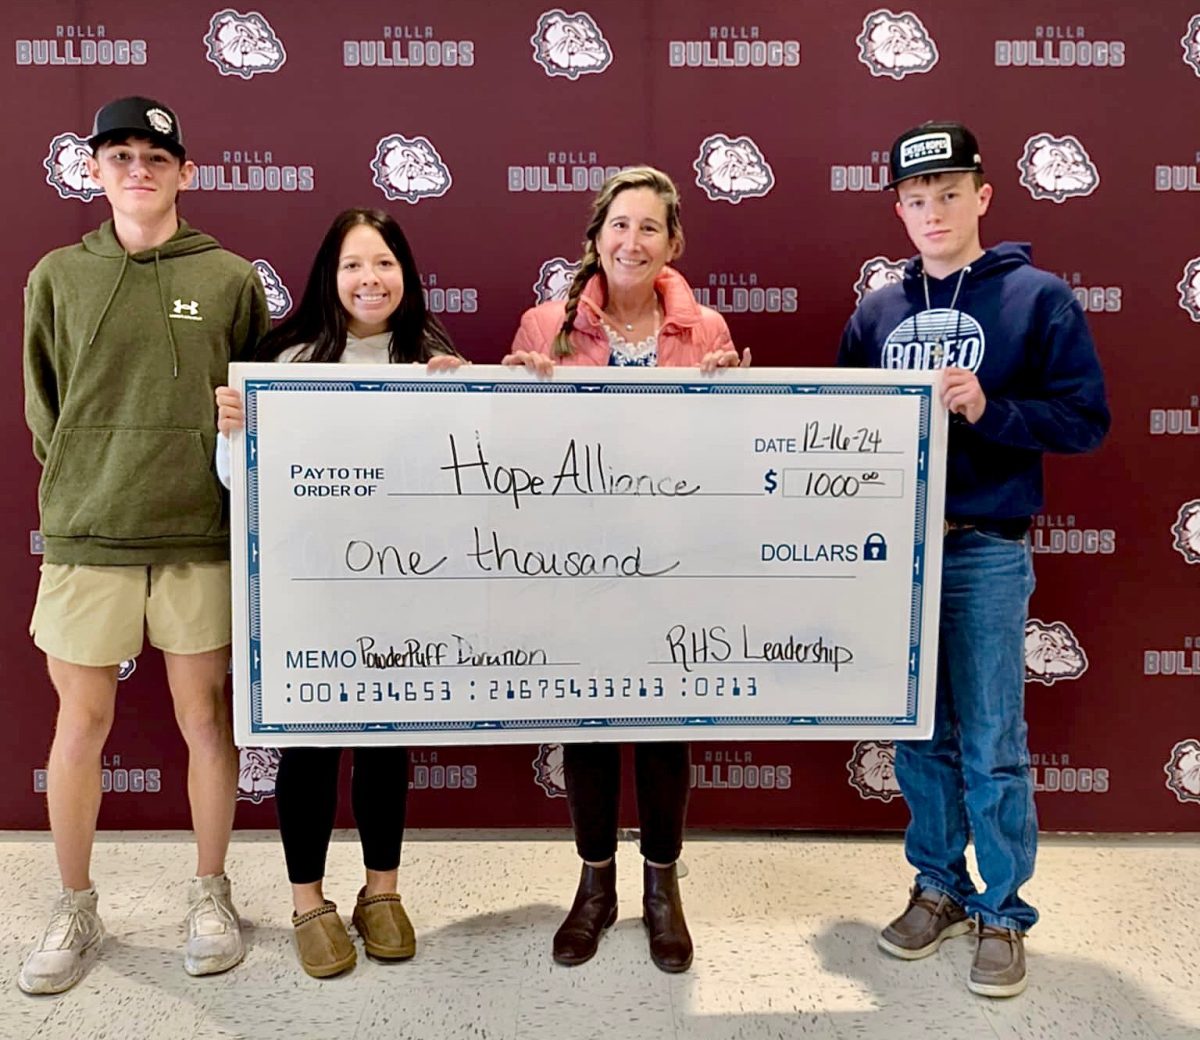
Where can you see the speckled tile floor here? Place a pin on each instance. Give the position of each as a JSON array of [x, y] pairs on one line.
[[784, 930]]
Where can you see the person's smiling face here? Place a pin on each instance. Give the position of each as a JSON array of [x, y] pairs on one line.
[[139, 178], [370, 283], [634, 243]]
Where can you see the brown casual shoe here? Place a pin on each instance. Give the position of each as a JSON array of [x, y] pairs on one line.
[[662, 912], [594, 910], [930, 918], [386, 931], [999, 966], [322, 942]]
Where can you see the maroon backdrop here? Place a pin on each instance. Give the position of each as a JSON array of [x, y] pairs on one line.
[[483, 127]]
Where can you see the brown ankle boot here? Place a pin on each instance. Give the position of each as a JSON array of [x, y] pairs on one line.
[[594, 909], [662, 911]]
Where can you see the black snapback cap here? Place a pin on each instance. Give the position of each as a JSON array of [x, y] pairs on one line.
[[933, 148], [141, 117]]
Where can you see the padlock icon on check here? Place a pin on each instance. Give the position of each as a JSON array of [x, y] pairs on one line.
[[875, 547]]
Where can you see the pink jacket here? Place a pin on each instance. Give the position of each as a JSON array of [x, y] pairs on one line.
[[689, 330]]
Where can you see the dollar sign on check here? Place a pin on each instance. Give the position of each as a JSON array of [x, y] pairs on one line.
[[769, 482]]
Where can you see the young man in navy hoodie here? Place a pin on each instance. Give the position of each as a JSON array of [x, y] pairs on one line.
[[1020, 377]]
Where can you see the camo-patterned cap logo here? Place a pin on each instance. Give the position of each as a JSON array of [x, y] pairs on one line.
[[1191, 44], [279, 300], [1052, 653], [872, 769], [1057, 168], [409, 168], [1186, 531], [1189, 288], [67, 168], [570, 45], [732, 169], [1183, 771], [243, 44], [876, 273], [548, 770], [896, 45], [554, 279], [257, 769]]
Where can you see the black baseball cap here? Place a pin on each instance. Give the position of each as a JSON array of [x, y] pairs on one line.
[[138, 117], [934, 148]]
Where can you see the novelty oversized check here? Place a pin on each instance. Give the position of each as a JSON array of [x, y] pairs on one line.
[[488, 557]]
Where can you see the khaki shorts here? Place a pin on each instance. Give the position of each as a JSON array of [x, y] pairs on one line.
[[98, 616]]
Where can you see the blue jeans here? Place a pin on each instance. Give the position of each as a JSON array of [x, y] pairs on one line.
[[972, 778]]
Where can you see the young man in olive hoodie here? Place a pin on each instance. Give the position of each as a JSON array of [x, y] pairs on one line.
[[126, 336]]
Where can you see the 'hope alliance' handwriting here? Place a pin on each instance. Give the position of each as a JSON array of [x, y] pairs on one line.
[[592, 478]]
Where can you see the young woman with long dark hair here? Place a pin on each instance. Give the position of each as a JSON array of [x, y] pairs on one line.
[[363, 304]]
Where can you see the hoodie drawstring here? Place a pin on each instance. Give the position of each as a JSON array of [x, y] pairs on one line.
[[939, 348], [111, 296], [166, 319], [161, 302]]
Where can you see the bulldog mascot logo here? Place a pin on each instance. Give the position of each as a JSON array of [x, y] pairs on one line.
[[896, 45], [257, 768], [1057, 168], [548, 770], [1191, 44], [872, 769], [1189, 287], [570, 45], [409, 168], [554, 279], [243, 45], [1186, 530], [732, 169], [1183, 771], [875, 274], [67, 168], [1052, 653], [279, 300]]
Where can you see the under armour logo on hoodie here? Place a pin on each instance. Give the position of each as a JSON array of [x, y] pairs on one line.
[[192, 309]]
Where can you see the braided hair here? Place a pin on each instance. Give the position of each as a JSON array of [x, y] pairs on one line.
[[589, 263]]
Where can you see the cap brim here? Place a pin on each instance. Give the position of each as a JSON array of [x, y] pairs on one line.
[[932, 173], [123, 133]]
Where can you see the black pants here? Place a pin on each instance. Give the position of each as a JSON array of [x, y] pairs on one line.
[[593, 774], [306, 791]]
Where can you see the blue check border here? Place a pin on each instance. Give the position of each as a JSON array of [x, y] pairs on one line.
[[255, 387]]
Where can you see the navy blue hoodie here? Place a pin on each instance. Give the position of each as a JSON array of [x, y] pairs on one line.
[[1023, 334]]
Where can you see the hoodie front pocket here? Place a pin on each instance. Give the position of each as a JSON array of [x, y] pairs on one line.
[[130, 484]]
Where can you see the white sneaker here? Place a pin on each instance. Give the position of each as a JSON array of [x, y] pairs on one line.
[[56, 963], [214, 933]]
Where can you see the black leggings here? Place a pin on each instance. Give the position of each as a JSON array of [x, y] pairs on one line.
[[593, 774], [306, 794]]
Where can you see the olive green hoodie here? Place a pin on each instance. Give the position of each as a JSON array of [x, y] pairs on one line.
[[122, 354]]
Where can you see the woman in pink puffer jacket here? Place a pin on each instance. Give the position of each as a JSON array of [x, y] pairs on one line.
[[627, 307]]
